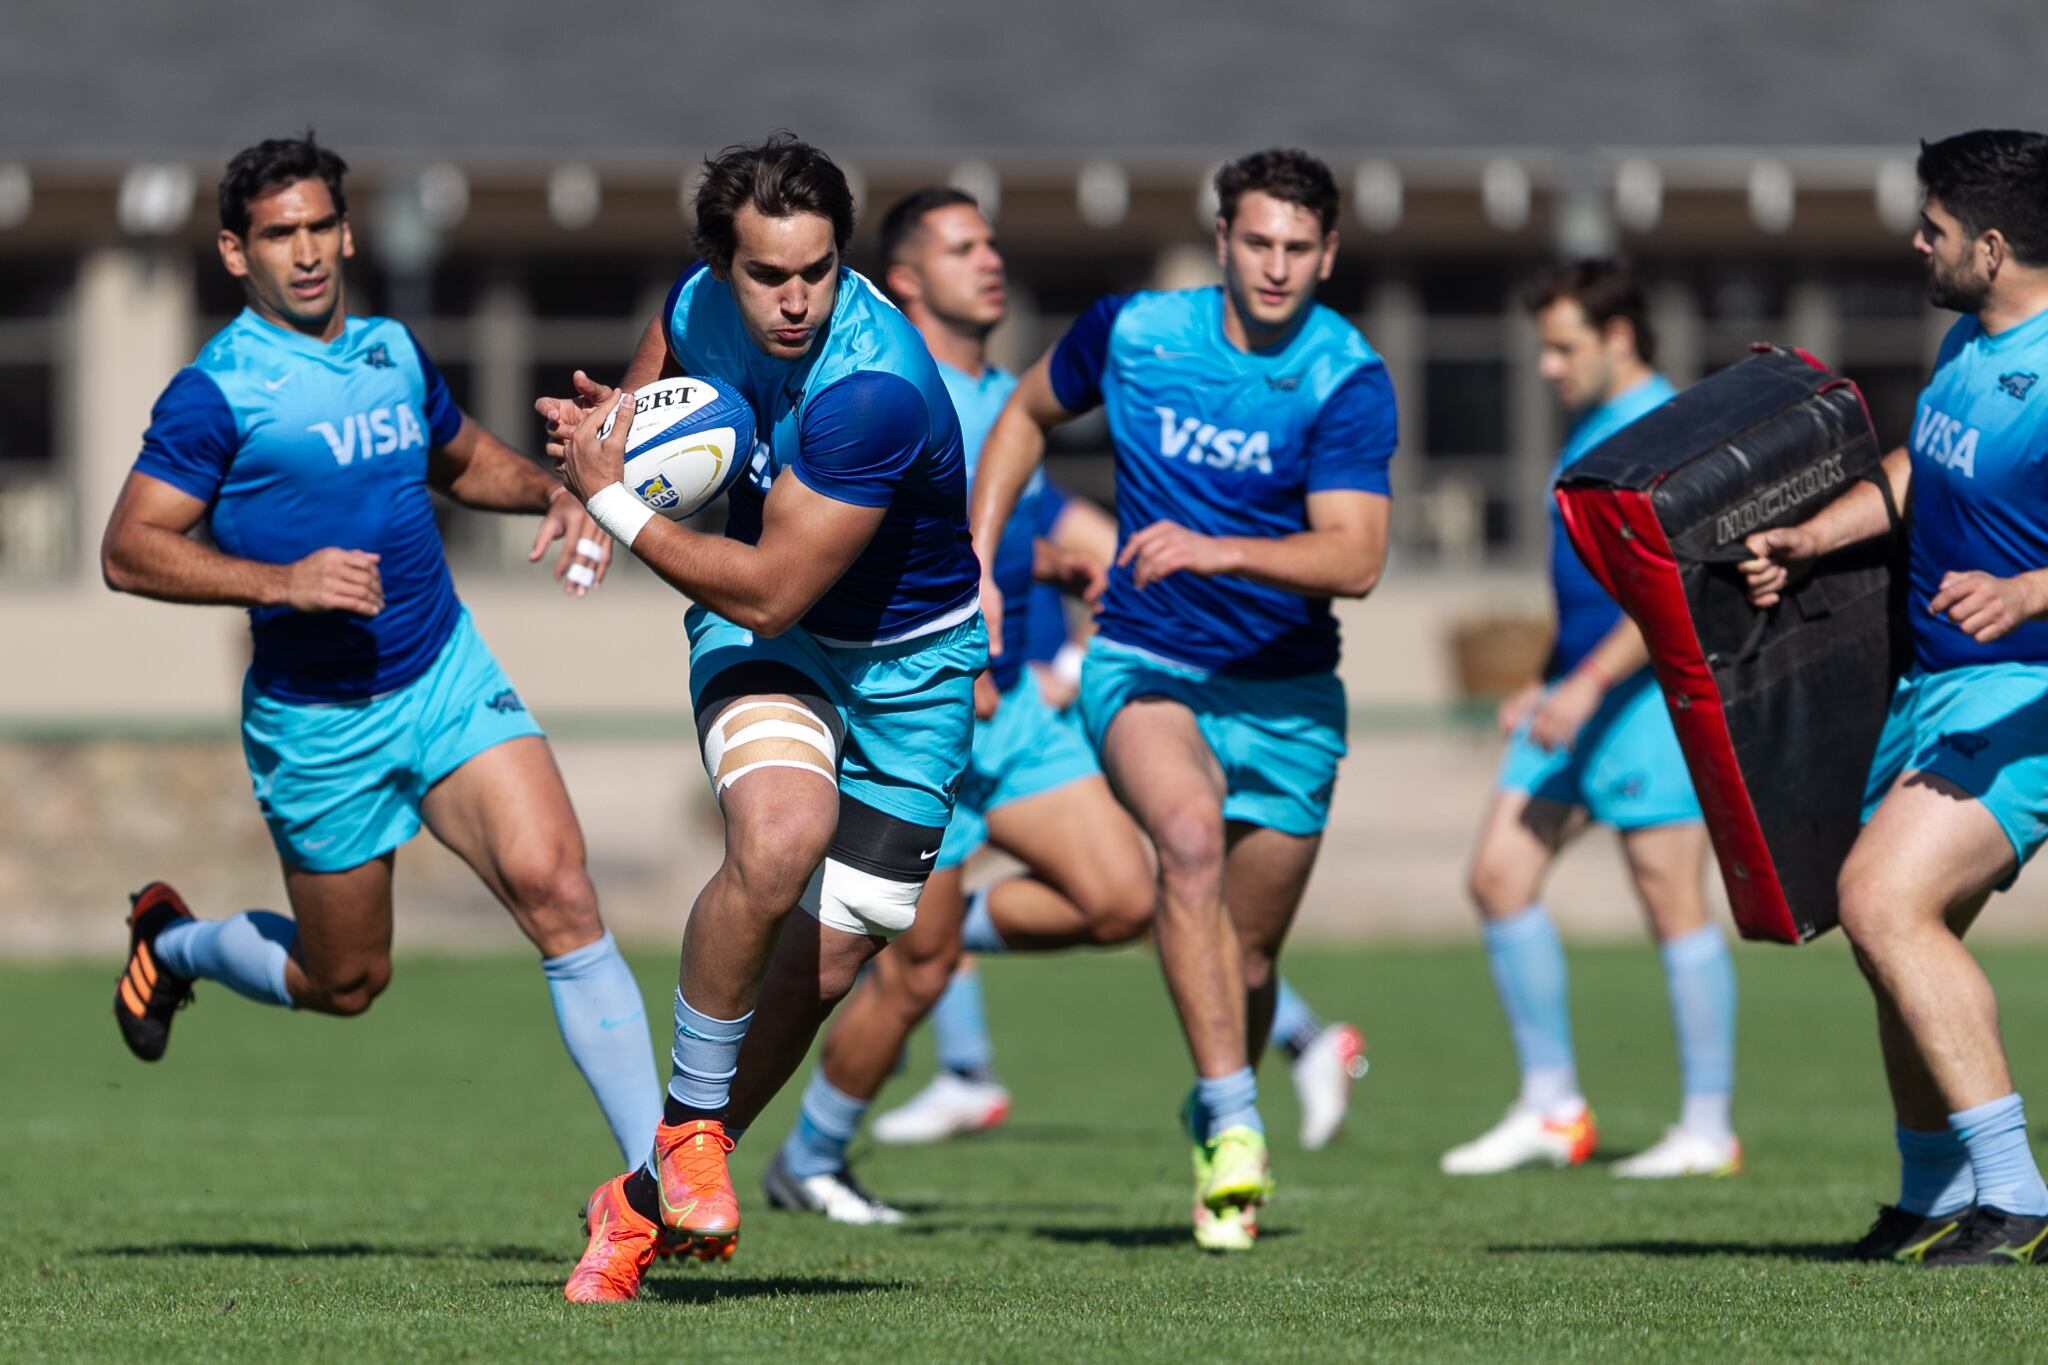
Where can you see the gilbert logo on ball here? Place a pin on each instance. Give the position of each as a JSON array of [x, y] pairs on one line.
[[688, 442]]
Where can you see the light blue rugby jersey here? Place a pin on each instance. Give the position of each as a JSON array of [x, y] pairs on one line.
[[977, 402], [1225, 442], [296, 445], [1585, 613], [1980, 482], [863, 418]]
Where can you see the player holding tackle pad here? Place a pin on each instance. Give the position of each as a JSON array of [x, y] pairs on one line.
[[1957, 798], [834, 642]]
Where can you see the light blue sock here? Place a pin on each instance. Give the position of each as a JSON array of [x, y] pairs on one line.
[[2001, 1162], [246, 953], [1934, 1172], [1699, 973], [977, 931], [706, 1057], [826, 1123], [1230, 1101], [1529, 973], [961, 1030], [604, 1026], [1295, 1025]]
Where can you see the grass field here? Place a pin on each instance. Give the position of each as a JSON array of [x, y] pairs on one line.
[[405, 1185]]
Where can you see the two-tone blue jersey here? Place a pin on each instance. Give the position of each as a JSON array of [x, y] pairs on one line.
[[862, 417], [1980, 482], [298, 445], [1225, 443], [1585, 613]]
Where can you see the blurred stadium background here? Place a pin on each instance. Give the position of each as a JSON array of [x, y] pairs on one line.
[[519, 190]]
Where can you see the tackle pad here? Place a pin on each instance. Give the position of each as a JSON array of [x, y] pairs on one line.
[[1778, 710]]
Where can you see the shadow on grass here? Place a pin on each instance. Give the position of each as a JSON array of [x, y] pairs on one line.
[[1135, 1238], [293, 1251], [1677, 1250], [709, 1287]]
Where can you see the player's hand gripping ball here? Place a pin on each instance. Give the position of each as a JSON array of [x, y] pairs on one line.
[[688, 441]]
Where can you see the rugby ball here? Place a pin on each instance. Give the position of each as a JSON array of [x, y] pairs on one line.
[[689, 440]]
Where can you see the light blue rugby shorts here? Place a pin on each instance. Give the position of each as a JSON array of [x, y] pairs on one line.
[[340, 783], [1279, 740], [906, 709], [1025, 749], [1983, 727], [1625, 768]]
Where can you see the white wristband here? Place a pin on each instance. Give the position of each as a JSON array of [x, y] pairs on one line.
[[620, 513], [1066, 665]]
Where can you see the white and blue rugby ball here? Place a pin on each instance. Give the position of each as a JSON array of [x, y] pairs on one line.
[[690, 439]]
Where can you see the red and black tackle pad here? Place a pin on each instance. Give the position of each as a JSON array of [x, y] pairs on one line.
[[1778, 710]]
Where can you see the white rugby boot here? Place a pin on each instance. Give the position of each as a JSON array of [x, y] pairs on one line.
[[838, 1196], [948, 1106], [1526, 1137], [1322, 1082], [1682, 1152]]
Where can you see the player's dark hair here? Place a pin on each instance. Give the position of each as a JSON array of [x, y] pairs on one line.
[[907, 215], [1993, 178], [780, 177], [1605, 289], [1286, 173], [270, 164]]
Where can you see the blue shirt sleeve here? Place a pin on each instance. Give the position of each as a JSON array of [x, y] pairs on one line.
[[860, 437], [191, 439], [1078, 360], [444, 419], [1353, 437]]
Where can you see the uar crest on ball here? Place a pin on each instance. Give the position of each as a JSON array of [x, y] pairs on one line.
[[689, 440]]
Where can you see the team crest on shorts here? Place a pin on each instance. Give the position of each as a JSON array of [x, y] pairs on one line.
[[506, 702]]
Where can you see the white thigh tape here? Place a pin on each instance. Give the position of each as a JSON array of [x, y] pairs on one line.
[[856, 902], [729, 733]]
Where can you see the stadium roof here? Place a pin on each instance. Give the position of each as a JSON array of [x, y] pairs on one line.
[[1047, 80]]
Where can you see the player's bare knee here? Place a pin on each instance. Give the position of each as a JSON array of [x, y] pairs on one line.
[[555, 903], [1496, 891], [1190, 843], [772, 854], [346, 994]]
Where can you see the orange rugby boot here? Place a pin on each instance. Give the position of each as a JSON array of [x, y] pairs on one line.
[[621, 1248], [697, 1198], [149, 994]]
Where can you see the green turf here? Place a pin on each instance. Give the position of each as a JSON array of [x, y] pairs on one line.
[[405, 1185]]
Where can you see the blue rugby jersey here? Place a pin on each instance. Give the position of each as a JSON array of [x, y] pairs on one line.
[[296, 445], [1585, 613], [1225, 442], [1980, 482], [863, 418], [1046, 626], [977, 402]]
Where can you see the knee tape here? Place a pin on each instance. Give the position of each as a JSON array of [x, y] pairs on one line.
[[750, 735]]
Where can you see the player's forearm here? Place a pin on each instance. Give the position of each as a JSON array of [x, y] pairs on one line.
[[1860, 514], [500, 479], [1312, 563], [1621, 653], [1014, 449], [735, 580], [650, 357], [150, 561]]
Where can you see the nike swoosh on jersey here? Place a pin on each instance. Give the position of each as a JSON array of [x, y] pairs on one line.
[[275, 384]]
